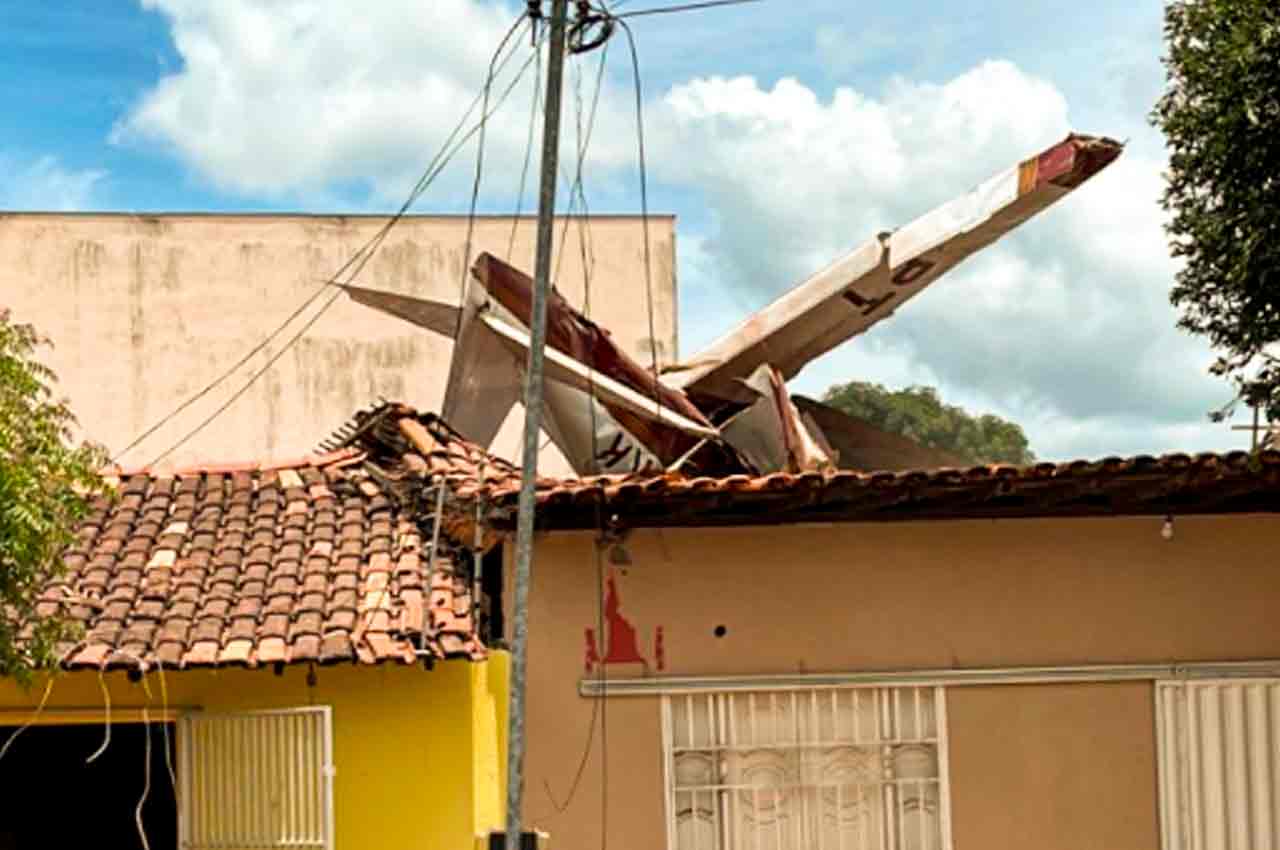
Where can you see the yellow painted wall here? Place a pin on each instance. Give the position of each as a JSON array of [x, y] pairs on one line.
[[417, 752]]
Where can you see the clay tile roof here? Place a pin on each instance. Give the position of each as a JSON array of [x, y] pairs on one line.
[[323, 559], [309, 560], [414, 446]]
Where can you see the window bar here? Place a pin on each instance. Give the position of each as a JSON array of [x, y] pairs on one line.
[[668, 770], [291, 753], [900, 799], [1273, 712], [715, 714], [864, 818], [857, 710], [316, 791], [688, 721], [220, 782], [236, 795], [253, 769], [896, 733], [798, 819], [919, 718], [922, 814], [944, 767]]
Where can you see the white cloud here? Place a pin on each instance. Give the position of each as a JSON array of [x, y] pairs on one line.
[[291, 97], [46, 185]]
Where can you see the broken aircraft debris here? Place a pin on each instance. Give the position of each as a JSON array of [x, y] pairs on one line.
[[727, 409]]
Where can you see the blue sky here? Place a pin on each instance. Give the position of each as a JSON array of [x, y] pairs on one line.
[[781, 134]]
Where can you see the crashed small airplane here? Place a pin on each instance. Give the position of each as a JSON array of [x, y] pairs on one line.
[[726, 410]]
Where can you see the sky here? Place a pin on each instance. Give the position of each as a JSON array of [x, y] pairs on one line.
[[781, 134]]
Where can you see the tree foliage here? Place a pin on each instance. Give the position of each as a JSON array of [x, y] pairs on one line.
[[1221, 115], [918, 414], [45, 483]]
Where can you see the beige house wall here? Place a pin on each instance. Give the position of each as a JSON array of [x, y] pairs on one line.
[[1050, 766], [146, 310]]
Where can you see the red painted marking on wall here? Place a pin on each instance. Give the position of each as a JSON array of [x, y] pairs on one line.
[[622, 646], [592, 656], [620, 640]]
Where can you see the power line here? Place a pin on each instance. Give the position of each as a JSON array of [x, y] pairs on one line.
[[644, 202], [362, 257], [684, 7], [369, 245]]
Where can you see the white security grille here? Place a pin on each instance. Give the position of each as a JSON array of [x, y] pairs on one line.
[[852, 768], [258, 779], [1219, 748]]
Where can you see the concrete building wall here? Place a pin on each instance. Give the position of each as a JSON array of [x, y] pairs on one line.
[[146, 310], [1044, 765]]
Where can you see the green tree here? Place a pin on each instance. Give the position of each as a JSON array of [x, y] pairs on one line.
[[1221, 116], [918, 414], [46, 481]]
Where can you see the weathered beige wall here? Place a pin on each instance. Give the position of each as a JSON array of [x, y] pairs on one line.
[[1066, 766], [146, 310]]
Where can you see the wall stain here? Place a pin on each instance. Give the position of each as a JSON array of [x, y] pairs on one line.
[[137, 339]]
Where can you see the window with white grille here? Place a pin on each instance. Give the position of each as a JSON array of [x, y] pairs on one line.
[[257, 779], [1219, 746], [851, 768]]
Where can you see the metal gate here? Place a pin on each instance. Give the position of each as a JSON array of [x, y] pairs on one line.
[[259, 779], [1219, 750], [852, 768]]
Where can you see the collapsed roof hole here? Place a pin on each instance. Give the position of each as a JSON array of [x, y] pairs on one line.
[[721, 631]]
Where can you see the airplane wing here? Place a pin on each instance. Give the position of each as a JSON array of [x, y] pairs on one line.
[[868, 284]]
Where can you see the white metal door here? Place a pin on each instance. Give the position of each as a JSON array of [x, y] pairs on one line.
[[259, 779], [1219, 752]]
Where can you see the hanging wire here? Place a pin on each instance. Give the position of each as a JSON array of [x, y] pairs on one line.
[[644, 205], [479, 176], [684, 7], [31, 721], [528, 151], [361, 257], [442, 160], [106, 707]]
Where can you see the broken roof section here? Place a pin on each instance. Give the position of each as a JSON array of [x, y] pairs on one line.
[[727, 412]]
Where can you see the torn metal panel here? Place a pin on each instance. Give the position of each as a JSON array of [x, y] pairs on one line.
[[485, 377], [574, 334], [570, 415], [432, 315], [565, 369], [867, 285], [770, 433], [861, 446]]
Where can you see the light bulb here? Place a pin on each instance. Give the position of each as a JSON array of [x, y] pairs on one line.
[[1166, 530]]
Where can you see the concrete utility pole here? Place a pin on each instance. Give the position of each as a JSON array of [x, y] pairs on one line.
[[533, 422]]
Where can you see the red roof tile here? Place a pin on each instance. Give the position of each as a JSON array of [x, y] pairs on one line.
[[250, 564]]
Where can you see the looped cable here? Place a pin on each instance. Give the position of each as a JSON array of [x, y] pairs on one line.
[[591, 30]]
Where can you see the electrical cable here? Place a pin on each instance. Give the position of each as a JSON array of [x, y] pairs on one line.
[[528, 153], [423, 183], [683, 7], [31, 721], [106, 707], [168, 745], [644, 205], [475, 188], [146, 771], [360, 255]]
